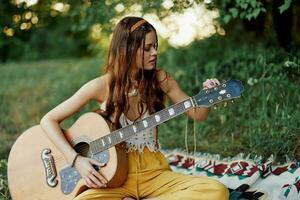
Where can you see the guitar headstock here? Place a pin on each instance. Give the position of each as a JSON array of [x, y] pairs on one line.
[[228, 90]]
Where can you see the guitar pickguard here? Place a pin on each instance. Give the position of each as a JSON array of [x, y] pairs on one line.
[[70, 176]]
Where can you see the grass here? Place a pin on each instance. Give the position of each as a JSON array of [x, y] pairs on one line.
[[268, 111], [30, 89], [265, 121]]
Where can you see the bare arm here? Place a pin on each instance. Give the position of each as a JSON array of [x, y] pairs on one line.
[[172, 89], [50, 121], [92, 90]]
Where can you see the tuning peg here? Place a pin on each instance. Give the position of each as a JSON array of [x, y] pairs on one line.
[[223, 83], [225, 104], [215, 107], [232, 101]]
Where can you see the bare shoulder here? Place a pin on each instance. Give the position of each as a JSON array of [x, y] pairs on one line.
[[98, 87], [95, 89]]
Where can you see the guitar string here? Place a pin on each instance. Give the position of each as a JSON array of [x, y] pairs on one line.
[[163, 114], [61, 157], [60, 160]]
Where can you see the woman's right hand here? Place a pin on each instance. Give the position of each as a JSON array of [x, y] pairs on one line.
[[92, 178]]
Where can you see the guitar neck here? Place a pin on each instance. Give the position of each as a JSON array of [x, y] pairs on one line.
[[151, 121]]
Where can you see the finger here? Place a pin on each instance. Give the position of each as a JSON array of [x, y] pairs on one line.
[[96, 173], [217, 81], [93, 184], [208, 84], [90, 183], [96, 162], [100, 177], [95, 180], [212, 82], [86, 183]]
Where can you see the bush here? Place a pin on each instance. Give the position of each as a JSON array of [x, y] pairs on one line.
[[264, 121], [4, 194]]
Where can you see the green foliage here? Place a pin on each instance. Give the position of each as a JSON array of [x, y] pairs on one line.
[[4, 193], [264, 121], [31, 89], [70, 27], [285, 6], [245, 9]]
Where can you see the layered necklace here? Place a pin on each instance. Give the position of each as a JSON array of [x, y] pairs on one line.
[[133, 92]]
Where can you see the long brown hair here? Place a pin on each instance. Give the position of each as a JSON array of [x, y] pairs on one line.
[[123, 71]]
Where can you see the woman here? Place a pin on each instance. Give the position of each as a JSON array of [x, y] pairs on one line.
[[131, 89]]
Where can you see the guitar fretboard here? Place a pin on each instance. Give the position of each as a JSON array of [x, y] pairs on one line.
[[153, 120]]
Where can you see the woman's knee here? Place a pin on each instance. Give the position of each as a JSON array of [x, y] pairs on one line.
[[221, 190], [215, 189]]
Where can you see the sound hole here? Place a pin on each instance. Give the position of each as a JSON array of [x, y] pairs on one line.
[[83, 149]]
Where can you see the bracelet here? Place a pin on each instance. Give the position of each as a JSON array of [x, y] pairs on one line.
[[74, 160]]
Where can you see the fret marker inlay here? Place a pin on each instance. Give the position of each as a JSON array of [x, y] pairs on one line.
[[145, 123], [134, 128], [171, 111], [157, 118], [187, 104]]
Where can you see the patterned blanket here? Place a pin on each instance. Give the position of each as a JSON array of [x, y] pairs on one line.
[[246, 178]]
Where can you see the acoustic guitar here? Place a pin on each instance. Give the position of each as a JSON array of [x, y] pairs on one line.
[[37, 170]]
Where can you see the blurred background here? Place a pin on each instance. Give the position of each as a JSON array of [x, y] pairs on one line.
[[48, 49]]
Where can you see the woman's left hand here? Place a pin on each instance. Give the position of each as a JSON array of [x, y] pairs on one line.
[[210, 83]]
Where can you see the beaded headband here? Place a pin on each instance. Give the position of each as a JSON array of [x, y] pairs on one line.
[[137, 24]]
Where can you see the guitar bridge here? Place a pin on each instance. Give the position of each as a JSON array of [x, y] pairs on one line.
[[50, 168]]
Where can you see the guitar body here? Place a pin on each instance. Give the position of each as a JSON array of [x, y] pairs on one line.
[[38, 170]]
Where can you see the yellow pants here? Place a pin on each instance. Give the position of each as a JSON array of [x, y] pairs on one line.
[[151, 177]]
